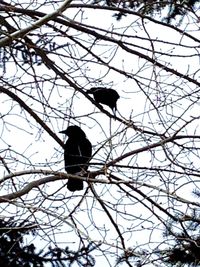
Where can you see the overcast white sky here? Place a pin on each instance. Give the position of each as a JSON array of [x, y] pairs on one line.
[[40, 148]]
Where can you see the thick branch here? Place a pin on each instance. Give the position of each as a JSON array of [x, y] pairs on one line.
[[21, 33]]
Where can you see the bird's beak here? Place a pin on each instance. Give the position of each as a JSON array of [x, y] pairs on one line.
[[63, 132]]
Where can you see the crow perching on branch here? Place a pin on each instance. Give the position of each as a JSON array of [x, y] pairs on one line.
[[105, 96], [77, 154]]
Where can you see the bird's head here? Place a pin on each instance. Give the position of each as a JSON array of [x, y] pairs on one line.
[[92, 90], [73, 131]]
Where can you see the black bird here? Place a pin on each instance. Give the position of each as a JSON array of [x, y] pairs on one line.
[[105, 96], [77, 154]]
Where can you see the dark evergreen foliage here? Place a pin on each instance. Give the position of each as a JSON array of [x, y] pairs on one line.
[[14, 253], [151, 8], [183, 249], [186, 249]]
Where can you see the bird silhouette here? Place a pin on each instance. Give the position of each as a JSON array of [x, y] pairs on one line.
[[77, 154], [105, 96]]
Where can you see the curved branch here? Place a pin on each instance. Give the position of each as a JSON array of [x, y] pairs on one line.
[[85, 29], [148, 147], [55, 177], [29, 12]]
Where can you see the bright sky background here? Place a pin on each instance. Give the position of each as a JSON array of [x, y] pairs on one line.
[[40, 149]]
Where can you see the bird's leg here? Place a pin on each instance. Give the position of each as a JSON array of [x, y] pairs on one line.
[[110, 139]]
